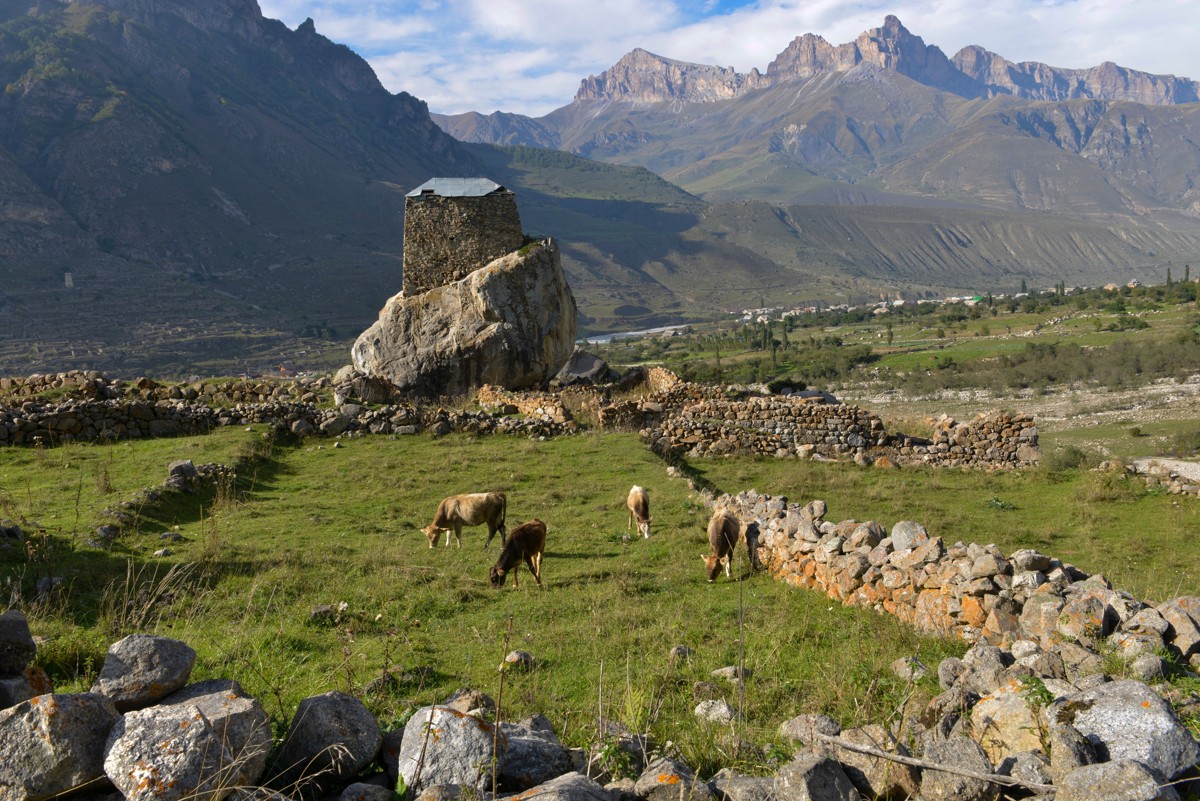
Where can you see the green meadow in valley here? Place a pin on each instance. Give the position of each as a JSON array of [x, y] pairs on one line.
[[308, 524]]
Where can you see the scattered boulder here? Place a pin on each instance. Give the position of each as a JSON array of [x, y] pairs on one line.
[[1119, 780], [443, 746], [956, 752], [331, 736], [715, 711], [17, 648], [727, 786], [1004, 723], [1128, 720], [142, 669], [585, 368], [813, 777], [53, 743], [666, 779]]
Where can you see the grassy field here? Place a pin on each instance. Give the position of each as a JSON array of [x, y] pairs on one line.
[[308, 524], [311, 525]]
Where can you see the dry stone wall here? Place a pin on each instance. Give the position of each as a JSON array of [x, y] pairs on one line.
[[974, 592], [808, 427]]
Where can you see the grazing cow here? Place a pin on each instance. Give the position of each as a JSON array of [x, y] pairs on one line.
[[469, 510], [724, 531], [526, 543], [639, 510]]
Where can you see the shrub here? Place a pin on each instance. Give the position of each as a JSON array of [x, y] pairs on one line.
[[1069, 457]]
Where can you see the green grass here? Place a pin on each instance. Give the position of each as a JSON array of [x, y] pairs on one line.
[[314, 524], [1098, 521]]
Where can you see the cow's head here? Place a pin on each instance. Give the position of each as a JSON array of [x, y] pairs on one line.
[[713, 564], [431, 532], [496, 574]]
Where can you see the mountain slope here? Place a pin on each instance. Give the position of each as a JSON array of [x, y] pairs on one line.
[[255, 173], [887, 113]]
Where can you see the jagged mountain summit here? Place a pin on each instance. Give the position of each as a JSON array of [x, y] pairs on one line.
[[884, 119]]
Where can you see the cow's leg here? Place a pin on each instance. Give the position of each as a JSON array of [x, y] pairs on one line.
[[457, 535], [728, 560], [491, 533], [535, 567], [516, 569]]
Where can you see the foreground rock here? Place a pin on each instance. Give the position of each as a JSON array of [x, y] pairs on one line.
[[142, 669], [444, 746], [332, 737], [53, 743], [511, 323]]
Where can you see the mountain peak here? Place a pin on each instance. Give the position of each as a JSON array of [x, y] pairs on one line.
[[643, 77]]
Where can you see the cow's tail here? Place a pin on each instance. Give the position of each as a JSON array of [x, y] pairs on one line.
[[503, 514]]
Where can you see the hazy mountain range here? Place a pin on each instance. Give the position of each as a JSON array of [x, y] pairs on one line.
[[191, 187]]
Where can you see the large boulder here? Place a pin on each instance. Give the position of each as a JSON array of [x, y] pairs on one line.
[[1128, 720], [239, 720], [444, 746], [510, 323], [166, 753], [53, 743], [16, 644], [331, 737], [142, 669], [534, 754]]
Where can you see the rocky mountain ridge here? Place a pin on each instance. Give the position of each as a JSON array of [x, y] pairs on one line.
[[973, 72]]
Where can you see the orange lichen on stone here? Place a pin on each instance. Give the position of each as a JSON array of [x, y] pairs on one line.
[[668, 778]]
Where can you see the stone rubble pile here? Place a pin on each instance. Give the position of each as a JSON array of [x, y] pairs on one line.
[[1159, 475], [1024, 714]]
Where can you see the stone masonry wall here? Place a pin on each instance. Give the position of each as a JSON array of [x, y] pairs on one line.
[[792, 427], [964, 590], [447, 238]]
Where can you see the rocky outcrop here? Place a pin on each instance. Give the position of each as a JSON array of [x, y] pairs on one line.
[[640, 77], [643, 77], [511, 323], [1033, 80]]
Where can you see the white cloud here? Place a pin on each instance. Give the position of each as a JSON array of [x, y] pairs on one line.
[[528, 56]]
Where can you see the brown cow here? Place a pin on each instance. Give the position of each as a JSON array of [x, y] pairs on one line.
[[639, 510], [526, 543], [469, 510], [724, 531]]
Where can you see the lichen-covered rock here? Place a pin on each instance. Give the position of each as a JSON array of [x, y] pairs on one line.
[[52, 743], [1128, 720], [814, 777], [730, 787], [168, 753], [1004, 723], [443, 746], [666, 779], [239, 720], [511, 323], [715, 710], [1119, 780], [533, 755], [332, 736], [567, 787], [959, 752], [802, 728], [142, 669], [873, 776]]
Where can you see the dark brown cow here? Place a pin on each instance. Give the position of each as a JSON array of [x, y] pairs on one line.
[[525, 544], [724, 531], [468, 510], [639, 510]]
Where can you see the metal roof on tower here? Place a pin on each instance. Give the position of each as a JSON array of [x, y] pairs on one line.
[[457, 187]]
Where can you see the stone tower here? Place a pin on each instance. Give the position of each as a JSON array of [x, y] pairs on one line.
[[454, 226]]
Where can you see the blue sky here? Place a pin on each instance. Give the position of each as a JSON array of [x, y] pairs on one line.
[[528, 56]]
